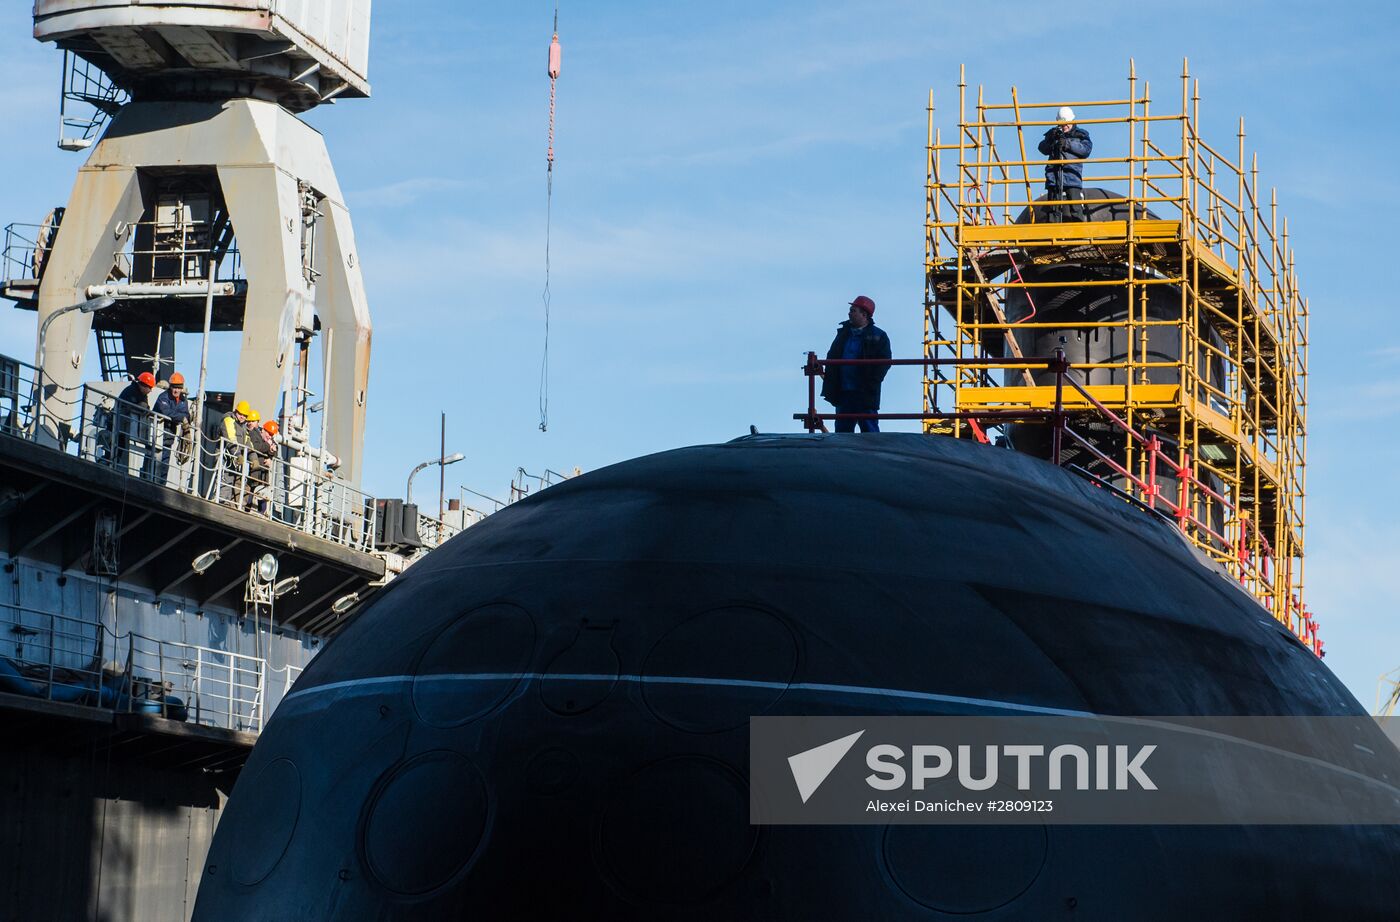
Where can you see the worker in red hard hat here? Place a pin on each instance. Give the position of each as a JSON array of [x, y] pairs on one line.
[[262, 446], [856, 388], [138, 392], [173, 415], [132, 419]]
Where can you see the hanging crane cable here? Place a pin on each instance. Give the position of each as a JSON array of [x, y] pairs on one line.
[[555, 57]]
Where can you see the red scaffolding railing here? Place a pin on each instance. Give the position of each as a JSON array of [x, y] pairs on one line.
[[1255, 571]]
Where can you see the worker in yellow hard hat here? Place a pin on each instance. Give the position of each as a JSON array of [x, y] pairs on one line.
[[236, 423], [252, 431]]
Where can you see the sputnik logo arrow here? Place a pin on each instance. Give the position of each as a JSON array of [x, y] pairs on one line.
[[811, 768]]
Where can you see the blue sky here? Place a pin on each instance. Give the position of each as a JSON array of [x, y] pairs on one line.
[[731, 174]]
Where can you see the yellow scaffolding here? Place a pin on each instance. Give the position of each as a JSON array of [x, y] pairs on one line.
[[1231, 405]]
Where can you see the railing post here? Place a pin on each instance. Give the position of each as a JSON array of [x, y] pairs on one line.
[[1153, 447], [126, 679], [160, 669], [53, 627], [1242, 552], [243, 468], [811, 370], [1183, 511], [1060, 367], [198, 686], [79, 432], [39, 407]]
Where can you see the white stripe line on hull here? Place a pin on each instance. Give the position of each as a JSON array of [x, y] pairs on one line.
[[819, 687]]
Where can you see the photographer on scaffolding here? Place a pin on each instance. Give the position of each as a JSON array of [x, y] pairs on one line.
[[1064, 181]]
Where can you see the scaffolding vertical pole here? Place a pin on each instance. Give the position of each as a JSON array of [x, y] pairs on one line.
[[1202, 190], [958, 247], [1145, 186], [1300, 461], [1025, 161], [1183, 367], [1291, 466], [1256, 290], [1129, 406], [930, 254], [947, 344], [1248, 360], [1237, 390], [980, 182], [1284, 538], [1200, 352]]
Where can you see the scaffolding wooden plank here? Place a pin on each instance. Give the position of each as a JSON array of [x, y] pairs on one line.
[[1220, 424], [1071, 232], [1043, 397], [1222, 271]]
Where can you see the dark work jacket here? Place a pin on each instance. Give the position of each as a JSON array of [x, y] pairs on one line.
[[1075, 144], [131, 400], [874, 345], [132, 415], [175, 411], [261, 442]]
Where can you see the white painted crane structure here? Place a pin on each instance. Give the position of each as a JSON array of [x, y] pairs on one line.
[[208, 206]]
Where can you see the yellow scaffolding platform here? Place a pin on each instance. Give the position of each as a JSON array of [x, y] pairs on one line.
[[1231, 404]]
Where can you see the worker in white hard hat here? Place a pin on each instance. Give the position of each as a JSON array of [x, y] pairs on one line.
[[1064, 143]]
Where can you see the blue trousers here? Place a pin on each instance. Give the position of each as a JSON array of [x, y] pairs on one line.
[[857, 403]]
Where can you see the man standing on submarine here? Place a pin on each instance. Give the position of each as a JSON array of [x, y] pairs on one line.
[[856, 388]]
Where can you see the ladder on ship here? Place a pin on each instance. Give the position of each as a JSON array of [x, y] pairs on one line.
[[111, 354]]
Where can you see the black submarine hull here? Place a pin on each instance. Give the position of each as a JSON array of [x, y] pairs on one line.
[[507, 731]]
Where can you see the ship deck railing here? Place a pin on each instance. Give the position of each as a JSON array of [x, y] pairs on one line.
[[26, 250], [176, 251], [434, 532], [71, 660], [292, 490]]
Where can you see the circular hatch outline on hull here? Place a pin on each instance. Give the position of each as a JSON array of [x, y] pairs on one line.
[[254, 863], [697, 890], [468, 778], [653, 690], [916, 890], [450, 639]]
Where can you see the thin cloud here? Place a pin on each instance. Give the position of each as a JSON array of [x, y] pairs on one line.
[[408, 192], [738, 155]]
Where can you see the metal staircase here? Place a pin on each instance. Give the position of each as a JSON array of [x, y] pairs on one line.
[[89, 100]]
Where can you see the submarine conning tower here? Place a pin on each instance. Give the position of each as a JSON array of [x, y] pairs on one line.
[[1152, 336]]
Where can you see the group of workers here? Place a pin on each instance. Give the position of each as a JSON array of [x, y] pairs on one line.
[[172, 418], [244, 426], [854, 389], [131, 425]]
